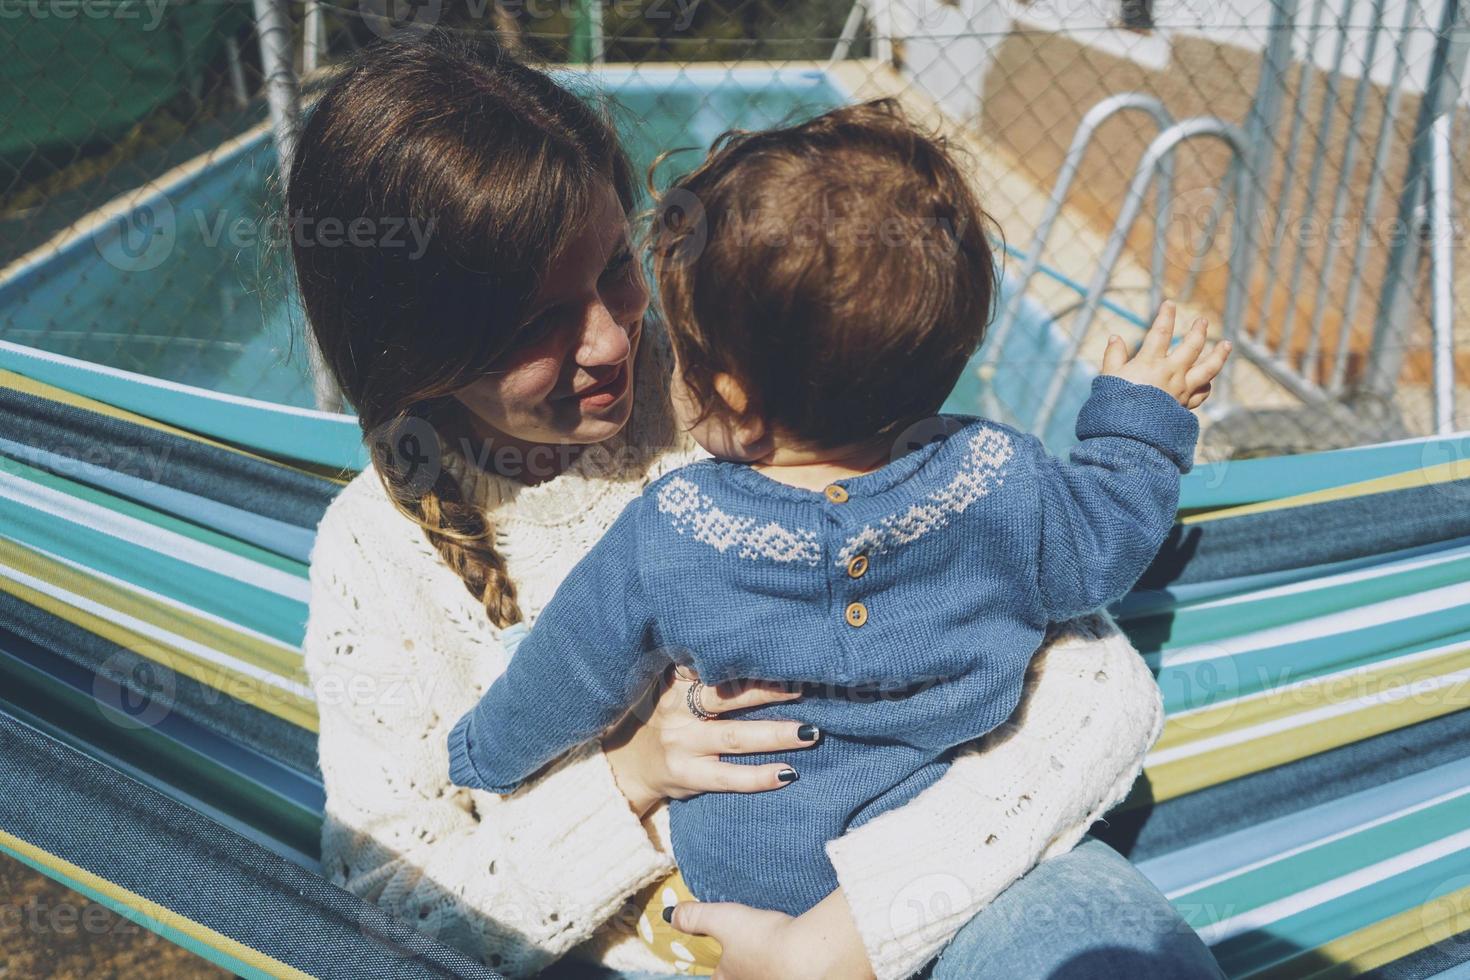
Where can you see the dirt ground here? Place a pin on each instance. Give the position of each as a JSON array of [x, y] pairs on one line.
[[48, 932]]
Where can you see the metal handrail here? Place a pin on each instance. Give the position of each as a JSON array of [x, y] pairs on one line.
[[1071, 163], [1442, 270], [1154, 159]]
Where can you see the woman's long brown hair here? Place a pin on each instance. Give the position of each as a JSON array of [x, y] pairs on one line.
[[498, 166]]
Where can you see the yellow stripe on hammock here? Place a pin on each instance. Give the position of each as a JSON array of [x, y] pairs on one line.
[[144, 908], [1382, 942], [40, 389], [283, 704], [140, 604], [1458, 469], [1167, 780], [1282, 701]]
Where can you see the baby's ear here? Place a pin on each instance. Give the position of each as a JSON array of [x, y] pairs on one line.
[[731, 392], [754, 438], [751, 436]]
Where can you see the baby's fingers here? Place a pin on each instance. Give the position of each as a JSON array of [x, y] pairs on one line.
[[1115, 356], [1160, 335], [1207, 367], [1194, 341]]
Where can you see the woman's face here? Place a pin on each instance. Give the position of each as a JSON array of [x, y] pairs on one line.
[[570, 380]]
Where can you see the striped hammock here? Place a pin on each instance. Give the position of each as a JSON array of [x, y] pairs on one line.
[[1307, 809]]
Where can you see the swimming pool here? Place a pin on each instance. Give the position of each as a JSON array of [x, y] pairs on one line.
[[189, 281]]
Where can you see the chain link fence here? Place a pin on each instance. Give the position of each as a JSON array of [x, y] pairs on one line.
[[1288, 168]]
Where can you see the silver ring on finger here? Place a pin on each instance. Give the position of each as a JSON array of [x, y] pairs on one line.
[[692, 698]]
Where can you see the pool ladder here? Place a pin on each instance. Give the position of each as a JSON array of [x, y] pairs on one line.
[[1316, 374], [1156, 164]]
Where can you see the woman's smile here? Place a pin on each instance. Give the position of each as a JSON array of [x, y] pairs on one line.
[[606, 393]]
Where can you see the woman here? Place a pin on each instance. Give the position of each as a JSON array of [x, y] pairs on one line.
[[515, 399]]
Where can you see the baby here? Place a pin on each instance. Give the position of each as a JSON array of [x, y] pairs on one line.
[[824, 286]]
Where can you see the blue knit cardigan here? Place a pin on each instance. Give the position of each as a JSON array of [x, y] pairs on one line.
[[907, 601]]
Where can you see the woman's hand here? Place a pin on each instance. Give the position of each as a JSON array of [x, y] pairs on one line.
[[757, 944], [1185, 372], [662, 750]]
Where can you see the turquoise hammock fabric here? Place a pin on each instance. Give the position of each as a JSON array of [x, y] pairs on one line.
[[1307, 808]]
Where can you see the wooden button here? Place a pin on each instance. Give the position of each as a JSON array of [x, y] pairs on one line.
[[836, 494], [857, 614], [858, 566]]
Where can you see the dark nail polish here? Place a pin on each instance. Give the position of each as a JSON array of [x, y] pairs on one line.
[[669, 914], [786, 775], [807, 733]]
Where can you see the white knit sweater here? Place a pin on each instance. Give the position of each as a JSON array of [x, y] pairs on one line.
[[397, 650]]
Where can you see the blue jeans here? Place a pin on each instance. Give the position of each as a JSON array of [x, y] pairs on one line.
[[1084, 914]]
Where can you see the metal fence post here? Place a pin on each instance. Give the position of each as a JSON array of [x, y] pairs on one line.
[[1260, 130], [283, 96], [850, 28], [1442, 270], [1383, 144], [313, 37], [1288, 178], [586, 44], [1396, 302], [1326, 117], [273, 29]]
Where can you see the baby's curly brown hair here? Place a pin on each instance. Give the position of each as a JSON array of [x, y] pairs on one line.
[[839, 269]]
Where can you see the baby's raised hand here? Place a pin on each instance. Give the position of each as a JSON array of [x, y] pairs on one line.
[[1185, 372]]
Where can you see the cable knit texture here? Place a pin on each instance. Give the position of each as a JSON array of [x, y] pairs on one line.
[[397, 649], [908, 601]]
